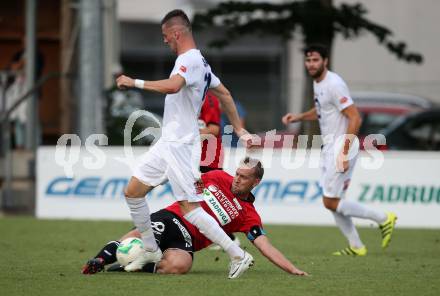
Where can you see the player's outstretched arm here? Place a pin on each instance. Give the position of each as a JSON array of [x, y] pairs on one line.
[[275, 256], [166, 86], [225, 98], [308, 115]]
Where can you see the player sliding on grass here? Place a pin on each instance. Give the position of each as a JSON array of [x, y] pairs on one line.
[[228, 200], [338, 117], [176, 156]]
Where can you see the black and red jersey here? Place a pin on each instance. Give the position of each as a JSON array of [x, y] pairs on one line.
[[212, 153], [232, 213]]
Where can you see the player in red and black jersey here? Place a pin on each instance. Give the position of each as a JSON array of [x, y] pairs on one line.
[[226, 198], [212, 149], [210, 134]]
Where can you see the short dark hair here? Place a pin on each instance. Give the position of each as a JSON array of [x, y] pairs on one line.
[[177, 13], [319, 48], [256, 165]]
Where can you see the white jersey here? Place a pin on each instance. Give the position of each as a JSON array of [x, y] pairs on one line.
[[181, 112], [331, 96]]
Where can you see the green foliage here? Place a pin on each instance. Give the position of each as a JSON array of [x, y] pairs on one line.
[[319, 21], [44, 257]]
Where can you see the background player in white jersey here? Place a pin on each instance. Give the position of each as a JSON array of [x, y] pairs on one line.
[[338, 119], [176, 156]]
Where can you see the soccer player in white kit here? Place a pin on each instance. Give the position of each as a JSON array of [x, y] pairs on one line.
[[338, 119], [176, 156]]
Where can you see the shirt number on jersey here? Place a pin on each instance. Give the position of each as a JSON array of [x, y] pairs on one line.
[[318, 108], [208, 83]]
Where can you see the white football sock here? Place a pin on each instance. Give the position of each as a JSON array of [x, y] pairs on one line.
[[140, 214], [348, 229], [210, 228], [358, 210]]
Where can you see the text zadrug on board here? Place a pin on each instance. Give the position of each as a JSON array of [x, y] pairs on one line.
[[407, 183]]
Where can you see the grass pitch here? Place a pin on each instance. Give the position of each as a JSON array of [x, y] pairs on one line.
[[44, 257]]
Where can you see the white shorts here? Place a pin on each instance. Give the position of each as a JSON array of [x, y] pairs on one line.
[[334, 184], [175, 162]]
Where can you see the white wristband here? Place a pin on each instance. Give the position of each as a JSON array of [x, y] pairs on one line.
[[139, 83]]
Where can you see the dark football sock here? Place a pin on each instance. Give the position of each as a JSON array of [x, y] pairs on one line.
[[108, 252], [115, 267], [149, 267]]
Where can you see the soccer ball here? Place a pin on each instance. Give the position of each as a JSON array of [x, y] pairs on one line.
[[129, 249]]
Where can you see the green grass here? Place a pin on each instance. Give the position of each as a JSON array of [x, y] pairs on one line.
[[44, 257]]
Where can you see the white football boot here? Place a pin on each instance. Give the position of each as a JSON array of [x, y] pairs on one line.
[[144, 258], [239, 266]]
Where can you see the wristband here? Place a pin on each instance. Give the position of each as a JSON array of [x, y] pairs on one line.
[[139, 83]]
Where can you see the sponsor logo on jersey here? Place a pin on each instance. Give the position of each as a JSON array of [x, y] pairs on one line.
[[185, 233], [216, 207], [343, 100], [226, 202], [183, 69], [212, 188], [237, 204]]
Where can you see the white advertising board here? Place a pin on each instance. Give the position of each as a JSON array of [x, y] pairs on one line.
[[407, 183]]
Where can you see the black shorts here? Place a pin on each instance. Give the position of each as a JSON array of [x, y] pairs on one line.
[[170, 232]]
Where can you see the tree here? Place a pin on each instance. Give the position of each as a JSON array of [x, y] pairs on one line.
[[318, 20], [240, 18]]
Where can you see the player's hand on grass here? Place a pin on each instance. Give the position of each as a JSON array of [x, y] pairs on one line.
[[289, 118], [297, 271], [124, 82]]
